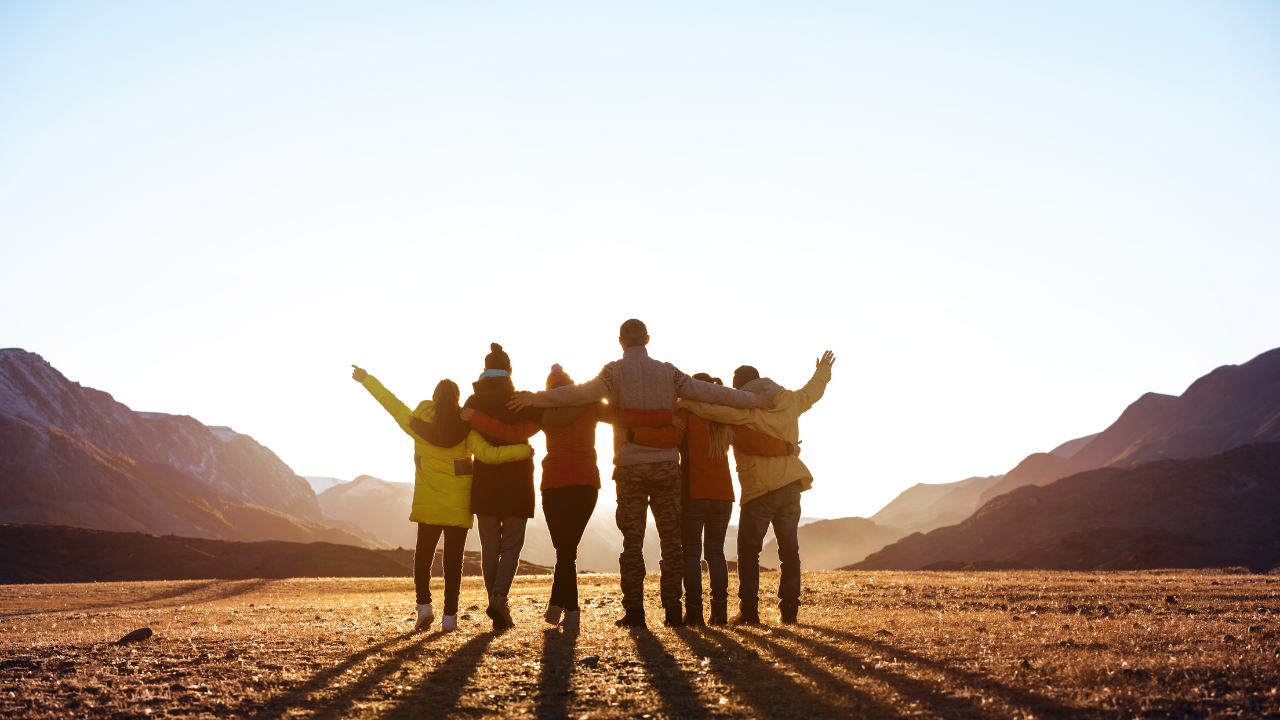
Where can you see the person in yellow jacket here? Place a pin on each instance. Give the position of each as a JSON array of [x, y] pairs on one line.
[[442, 448], [771, 485]]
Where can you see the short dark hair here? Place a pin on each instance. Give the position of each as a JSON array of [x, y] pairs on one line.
[[744, 375], [633, 333], [705, 377]]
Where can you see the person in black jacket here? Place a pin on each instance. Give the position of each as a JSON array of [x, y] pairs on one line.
[[502, 496]]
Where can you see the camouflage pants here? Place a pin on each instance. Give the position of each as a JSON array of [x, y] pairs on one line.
[[641, 487]]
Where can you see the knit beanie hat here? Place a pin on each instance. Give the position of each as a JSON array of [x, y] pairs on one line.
[[497, 360], [558, 377], [744, 375]]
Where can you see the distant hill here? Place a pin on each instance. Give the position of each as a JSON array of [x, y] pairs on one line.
[[1202, 512], [319, 484], [1232, 406], [378, 506], [43, 554], [923, 507], [71, 455], [829, 544]]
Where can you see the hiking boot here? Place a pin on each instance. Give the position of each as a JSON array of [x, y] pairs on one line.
[[747, 615], [500, 614], [693, 616], [789, 614], [719, 612], [633, 618], [572, 620], [449, 623], [553, 613], [673, 617], [426, 616]]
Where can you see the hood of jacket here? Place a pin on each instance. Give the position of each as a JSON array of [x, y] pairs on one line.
[[763, 386]]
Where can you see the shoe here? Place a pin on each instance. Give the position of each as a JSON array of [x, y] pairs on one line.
[[633, 618], [789, 615], [719, 612], [504, 611], [747, 615], [449, 623], [553, 613], [426, 616], [572, 619], [693, 616], [496, 616], [673, 617]]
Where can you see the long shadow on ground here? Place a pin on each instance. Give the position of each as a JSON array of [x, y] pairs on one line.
[[770, 692], [666, 677], [918, 690], [554, 691], [437, 694]]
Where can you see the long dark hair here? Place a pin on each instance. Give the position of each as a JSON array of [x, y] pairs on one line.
[[446, 429]]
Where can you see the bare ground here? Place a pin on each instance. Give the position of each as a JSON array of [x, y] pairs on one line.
[[882, 644]]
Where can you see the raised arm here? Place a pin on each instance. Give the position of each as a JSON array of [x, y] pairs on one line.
[[750, 442], [387, 400], [817, 385], [496, 428], [496, 455]]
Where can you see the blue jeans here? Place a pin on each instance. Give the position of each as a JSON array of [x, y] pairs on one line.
[[781, 507], [709, 518]]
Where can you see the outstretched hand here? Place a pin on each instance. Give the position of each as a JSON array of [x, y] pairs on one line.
[[520, 400], [764, 403], [466, 414], [828, 359], [358, 374]]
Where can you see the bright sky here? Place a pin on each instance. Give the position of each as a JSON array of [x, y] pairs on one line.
[[1008, 220]]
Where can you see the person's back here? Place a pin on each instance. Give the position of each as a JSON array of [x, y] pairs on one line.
[[646, 478]]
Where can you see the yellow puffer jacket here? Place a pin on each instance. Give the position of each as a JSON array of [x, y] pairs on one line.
[[439, 496], [759, 474]]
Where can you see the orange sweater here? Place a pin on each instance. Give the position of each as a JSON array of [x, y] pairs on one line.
[[706, 477]]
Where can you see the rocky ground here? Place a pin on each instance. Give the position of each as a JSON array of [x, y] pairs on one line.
[[882, 644]]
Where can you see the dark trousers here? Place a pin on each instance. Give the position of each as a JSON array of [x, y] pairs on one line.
[[643, 488], [567, 509], [780, 507], [707, 519], [455, 538]]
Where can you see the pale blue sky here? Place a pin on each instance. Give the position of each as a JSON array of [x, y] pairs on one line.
[[1008, 220]]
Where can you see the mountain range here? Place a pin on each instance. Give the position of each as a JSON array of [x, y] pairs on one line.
[[71, 455]]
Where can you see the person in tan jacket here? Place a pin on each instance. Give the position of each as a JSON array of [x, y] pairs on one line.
[[771, 486]]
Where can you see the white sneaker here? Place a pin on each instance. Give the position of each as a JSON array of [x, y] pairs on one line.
[[572, 619], [426, 616], [449, 623], [553, 614]]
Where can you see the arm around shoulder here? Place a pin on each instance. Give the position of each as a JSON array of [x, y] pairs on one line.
[[496, 455]]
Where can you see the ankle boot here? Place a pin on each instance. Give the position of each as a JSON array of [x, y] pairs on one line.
[[693, 615], [633, 618], [719, 612], [790, 614], [747, 615], [673, 617]]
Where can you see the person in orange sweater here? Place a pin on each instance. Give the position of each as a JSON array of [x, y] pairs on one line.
[[570, 478], [707, 496]]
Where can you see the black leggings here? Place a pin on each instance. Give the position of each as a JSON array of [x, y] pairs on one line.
[[455, 538], [567, 509]]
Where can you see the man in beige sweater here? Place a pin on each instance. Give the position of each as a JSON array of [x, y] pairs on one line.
[[646, 477], [771, 486]]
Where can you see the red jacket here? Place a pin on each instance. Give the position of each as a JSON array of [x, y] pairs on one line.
[[571, 438], [706, 477]]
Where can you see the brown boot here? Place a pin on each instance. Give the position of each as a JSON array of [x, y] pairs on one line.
[[719, 612]]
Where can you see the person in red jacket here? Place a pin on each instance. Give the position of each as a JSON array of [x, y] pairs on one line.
[[707, 496], [570, 478]]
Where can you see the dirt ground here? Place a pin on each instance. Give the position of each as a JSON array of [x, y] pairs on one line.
[[882, 644]]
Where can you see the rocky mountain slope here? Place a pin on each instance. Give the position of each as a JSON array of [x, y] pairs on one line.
[[1232, 406], [378, 506], [72, 455], [1201, 512]]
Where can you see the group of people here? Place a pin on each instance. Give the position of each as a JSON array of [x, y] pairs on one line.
[[672, 434]]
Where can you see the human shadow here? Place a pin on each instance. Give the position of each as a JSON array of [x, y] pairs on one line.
[[770, 692], [556, 674], [279, 705], [922, 691], [437, 694], [666, 676]]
